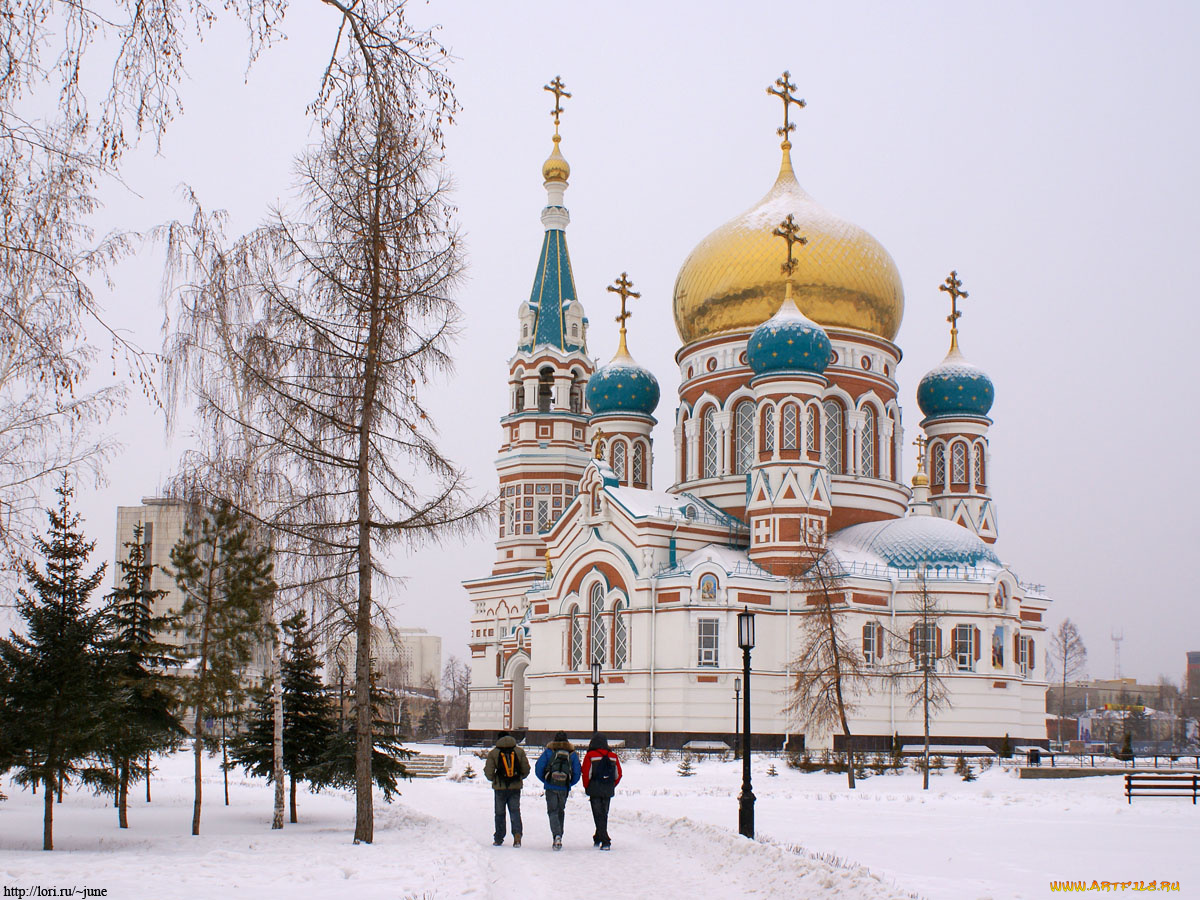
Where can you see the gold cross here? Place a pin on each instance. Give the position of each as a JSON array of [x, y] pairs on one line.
[[624, 287], [790, 232], [559, 90], [920, 443], [953, 287], [784, 93], [598, 445]]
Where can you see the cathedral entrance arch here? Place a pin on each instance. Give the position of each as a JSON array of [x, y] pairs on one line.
[[518, 705]]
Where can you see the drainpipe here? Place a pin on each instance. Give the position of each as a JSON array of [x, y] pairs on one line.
[[787, 659], [654, 631], [895, 581]]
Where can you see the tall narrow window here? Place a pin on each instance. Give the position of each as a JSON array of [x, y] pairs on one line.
[[768, 428], [743, 437], [639, 463], [519, 398], [620, 636], [867, 442], [576, 396], [923, 641], [958, 460], [599, 629], [833, 437], [980, 479], [543, 515], [545, 389], [964, 648], [811, 426], [707, 645], [872, 642], [710, 444], [939, 465], [576, 626], [789, 427], [618, 459]]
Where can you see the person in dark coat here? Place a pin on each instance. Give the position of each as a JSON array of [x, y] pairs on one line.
[[601, 775], [559, 769], [506, 768]]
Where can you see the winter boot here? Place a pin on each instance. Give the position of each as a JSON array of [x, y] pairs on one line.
[[606, 846], [558, 842], [516, 840], [498, 842]]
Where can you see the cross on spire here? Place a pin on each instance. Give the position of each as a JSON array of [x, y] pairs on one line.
[[783, 90], [953, 287], [559, 90], [598, 444], [790, 232], [624, 287], [920, 443]]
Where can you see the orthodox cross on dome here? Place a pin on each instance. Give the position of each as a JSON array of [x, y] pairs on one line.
[[953, 287], [624, 287], [783, 90], [559, 90], [920, 443], [790, 232], [598, 445]]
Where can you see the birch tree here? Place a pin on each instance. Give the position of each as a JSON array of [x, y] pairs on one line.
[[1068, 655]]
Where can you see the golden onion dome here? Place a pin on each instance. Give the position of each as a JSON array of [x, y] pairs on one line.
[[732, 281], [556, 167]]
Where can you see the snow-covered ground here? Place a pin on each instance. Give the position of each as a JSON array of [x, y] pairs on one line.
[[998, 837]]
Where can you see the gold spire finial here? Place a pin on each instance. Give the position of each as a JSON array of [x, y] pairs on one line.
[[953, 287], [598, 445], [783, 90], [790, 232], [559, 90], [624, 287], [920, 479]]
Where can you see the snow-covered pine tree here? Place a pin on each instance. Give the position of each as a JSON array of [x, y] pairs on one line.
[[225, 578], [430, 725], [685, 767], [139, 709], [309, 719], [52, 692]]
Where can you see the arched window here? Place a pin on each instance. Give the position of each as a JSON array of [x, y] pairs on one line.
[[576, 394], [618, 459], [866, 442], [768, 428], [574, 329], [939, 465], [709, 453], [519, 398], [545, 389], [833, 437], [599, 630], [684, 474], [812, 425], [743, 437], [639, 463], [788, 428], [980, 479], [576, 646], [958, 462], [620, 636]]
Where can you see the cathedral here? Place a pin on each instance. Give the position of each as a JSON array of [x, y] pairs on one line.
[[787, 447]]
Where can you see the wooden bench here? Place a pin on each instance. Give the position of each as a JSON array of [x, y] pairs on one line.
[[1161, 784]]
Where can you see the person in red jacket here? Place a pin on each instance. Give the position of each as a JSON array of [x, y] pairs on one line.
[[601, 775]]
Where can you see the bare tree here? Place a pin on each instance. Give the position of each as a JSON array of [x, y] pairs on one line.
[[927, 660], [829, 670], [456, 683], [1068, 655]]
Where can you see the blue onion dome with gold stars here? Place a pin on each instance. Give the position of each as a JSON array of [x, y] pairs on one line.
[[623, 386], [955, 388], [789, 341]]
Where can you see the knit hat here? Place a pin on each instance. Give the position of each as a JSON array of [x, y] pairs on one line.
[[560, 735]]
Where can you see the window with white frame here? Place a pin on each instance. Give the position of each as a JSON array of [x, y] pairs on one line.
[[707, 643], [980, 479], [939, 466], [709, 426], [639, 463], [768, 428], [958, 462], [743, 437], [965, 649], [618, 459], [543, 515], [1026, 656], [866, 442], [599, 628], [833, 437], [620, 636], [872, 643], [576, 626], [924, 644], [790, 425], [810, 431]]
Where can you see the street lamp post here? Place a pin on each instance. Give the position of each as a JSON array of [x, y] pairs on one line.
[[746, 798], [595, 697], [737, 706]]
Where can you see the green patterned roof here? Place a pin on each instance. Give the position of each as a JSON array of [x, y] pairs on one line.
[[553, 289]]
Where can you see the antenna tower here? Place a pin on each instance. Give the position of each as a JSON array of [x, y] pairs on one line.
[[1117, 637]]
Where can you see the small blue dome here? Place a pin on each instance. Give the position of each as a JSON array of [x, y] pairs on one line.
[[789, 341], [955, 388], [915, 541], [623, 386]]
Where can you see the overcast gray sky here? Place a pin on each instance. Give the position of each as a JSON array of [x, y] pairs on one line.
[[1046, 151]]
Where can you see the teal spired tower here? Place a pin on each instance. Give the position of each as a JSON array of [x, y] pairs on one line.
[[544, 446]]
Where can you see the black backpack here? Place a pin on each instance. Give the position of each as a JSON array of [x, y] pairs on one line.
[[558, 771], [604, 771], [506, 763]]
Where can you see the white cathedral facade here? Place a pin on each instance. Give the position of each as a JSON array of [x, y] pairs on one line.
[[787, 439]]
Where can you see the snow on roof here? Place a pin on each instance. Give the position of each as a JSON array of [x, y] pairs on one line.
[[643, 504]]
